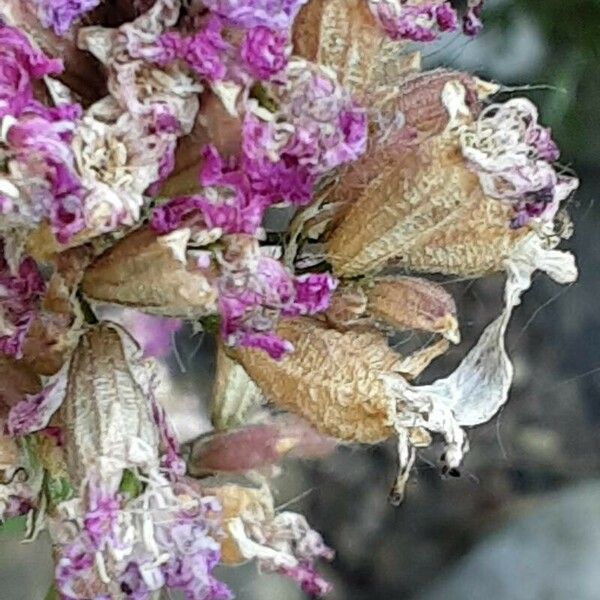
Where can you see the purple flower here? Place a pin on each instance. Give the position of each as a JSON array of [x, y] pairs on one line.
[[41, 149], [540, 138], [308, 579], [75, 570], [472, 24], [100, 521], [60, 14], [265, 52], [255, 290], [318, 126], [20, 64], [19, 297], [275, 14], [34, 412], [205, 51], [173, 214], [418, 23]]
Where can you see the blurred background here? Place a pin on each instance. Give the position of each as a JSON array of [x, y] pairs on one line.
[[523, 520]]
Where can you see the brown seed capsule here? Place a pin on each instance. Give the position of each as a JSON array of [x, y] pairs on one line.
[[413, 303], [141, 272], [331, 379], [429, 214], [105, 410], [343, 35], [419, 99]]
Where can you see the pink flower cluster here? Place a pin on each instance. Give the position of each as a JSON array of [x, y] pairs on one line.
[[36, 145], [225, 48], [61, 14], [254, 295], [417, 23]]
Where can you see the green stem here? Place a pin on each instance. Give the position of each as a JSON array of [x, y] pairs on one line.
[[52, 593]]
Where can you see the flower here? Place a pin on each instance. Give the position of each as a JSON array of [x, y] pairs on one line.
[[265, 52], [20, 293], [60, 14], [512, 155], [418, 23], [20, 65], [472, 24], [316, 123], [278, 14], [255, 290]]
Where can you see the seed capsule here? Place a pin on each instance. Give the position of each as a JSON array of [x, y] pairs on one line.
[[343, 35], [332, 379], [143, 273], [106, 412], [428, 214]]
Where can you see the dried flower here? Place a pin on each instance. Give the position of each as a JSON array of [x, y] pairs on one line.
[[204, 129]]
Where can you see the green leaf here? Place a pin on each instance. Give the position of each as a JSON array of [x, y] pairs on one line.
[[58, 489], [130, 487]]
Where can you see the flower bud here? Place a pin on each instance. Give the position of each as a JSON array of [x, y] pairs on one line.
[[258, 446], [413, 303]]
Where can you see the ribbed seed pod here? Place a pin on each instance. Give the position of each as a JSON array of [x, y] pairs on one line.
[[428, 213], [343, 35], [141, 272], [105, 410], [332, 379], [419, 99], [234, 393], [413, 303]]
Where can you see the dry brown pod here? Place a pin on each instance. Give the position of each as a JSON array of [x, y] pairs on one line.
[[413, 303], [142, 271], [344, 36], [257, 446], [331, 379], [105, 405], [428, 214]]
